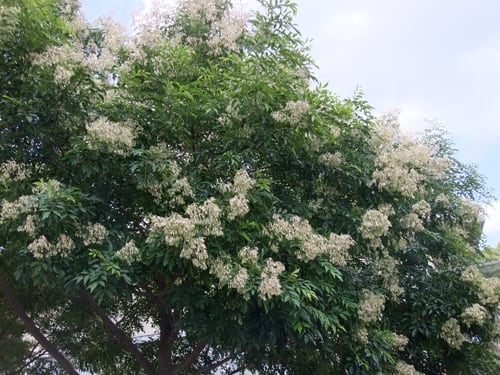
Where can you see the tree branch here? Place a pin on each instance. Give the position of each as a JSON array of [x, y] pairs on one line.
[[123, 339], [33, 329], [189, 360], [214, 365]]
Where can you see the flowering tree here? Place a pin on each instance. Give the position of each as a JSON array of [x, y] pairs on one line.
[[192, 179]]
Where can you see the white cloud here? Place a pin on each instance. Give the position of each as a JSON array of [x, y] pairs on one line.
[[492, 224]]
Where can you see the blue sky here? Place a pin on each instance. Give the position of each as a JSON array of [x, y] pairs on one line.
[[435, 60]]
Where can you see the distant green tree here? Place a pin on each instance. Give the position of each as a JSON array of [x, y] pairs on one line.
[[194, 177]]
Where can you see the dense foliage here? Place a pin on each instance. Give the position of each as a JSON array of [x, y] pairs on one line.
[[193, 177]]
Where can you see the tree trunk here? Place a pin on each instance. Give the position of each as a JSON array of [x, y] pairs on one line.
[[33, 329]]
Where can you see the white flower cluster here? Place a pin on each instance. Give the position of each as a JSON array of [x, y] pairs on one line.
[[270, 285], [222, 269], [441, 199], [249, 254], [470, 211], [450, 332], [178, 191], [129, 253], [41, 247], [412, 222], [199, 8], [387, 268], [110, 136], [238, 206], [294, 113], [475, 314], [403, 162], [29, 225], [228, 276], [371, 306], [206, 217], [203, 220], [312, 244], [422, 209], [85, 52], [226, 31], [12, 171], [489, 287], [92, 234], [361, 335], [242, 184], [239, 280], [331, 160], [12, 210], [403, 368], [399, 341], [195, 249], [164, 184], [374, 225], [173, 228]]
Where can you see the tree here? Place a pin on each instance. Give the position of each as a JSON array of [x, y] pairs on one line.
[[195, 177]]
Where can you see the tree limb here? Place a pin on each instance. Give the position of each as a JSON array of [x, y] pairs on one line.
[[33, 329], [214, 365], [123, 339], [189, 360]]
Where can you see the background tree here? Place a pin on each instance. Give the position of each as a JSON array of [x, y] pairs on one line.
[[196, 178]]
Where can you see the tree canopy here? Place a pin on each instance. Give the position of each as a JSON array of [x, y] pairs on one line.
[[194, 177]]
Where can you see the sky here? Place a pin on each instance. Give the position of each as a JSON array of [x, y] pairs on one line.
[[429, 60]]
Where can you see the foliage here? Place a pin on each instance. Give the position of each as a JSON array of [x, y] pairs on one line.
[[195, 177]]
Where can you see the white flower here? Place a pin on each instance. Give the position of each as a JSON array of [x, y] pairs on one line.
[[238, 206], [242, 184], [374, 225], [294, 113], [249, 254], [403, 162], [412, 222], [206, 217], [441, 199], [64, 244], [106, 135], [196, 250], [93, 234], [239, 280], [129, 253], [227, 30], [450, 332], [331, 160], [371, 306], [41, 247], [403, 368], [475, 314], [12, 210], [335, 246], [29, 225], [399, 341], [270, 285], [13, 171], [422, 209]]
